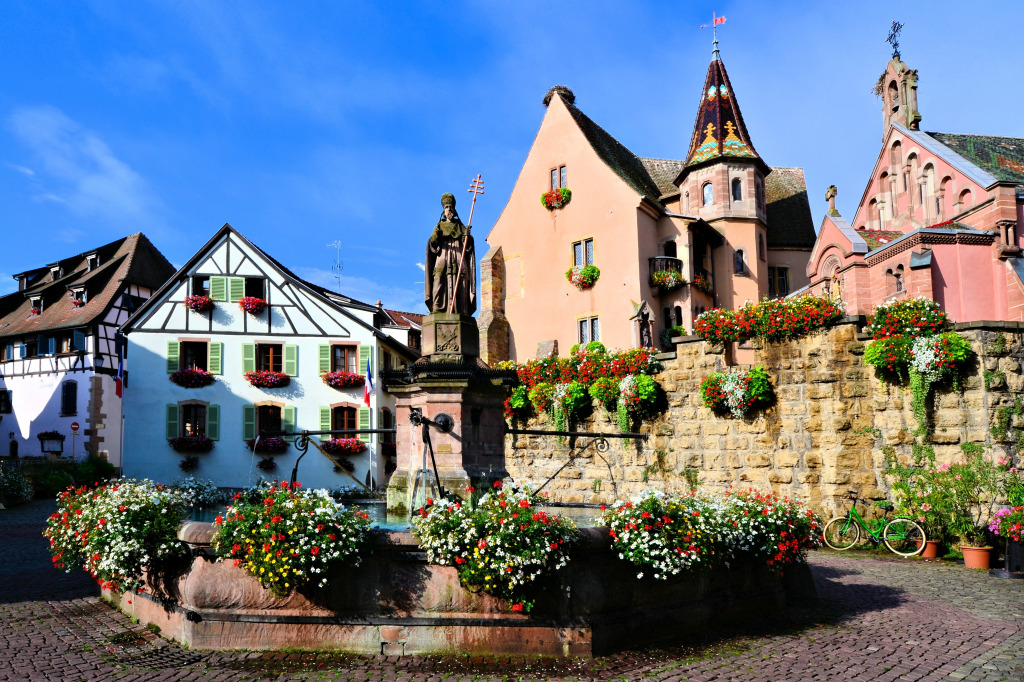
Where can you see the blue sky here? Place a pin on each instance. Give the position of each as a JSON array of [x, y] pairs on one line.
[[347, 120]]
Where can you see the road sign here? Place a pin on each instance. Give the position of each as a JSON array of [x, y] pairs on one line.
[[74, 426]]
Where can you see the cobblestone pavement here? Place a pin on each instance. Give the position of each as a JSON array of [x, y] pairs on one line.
[[877, 618]]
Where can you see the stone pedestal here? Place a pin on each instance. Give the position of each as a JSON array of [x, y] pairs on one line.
[[473, 451], [450, 336]]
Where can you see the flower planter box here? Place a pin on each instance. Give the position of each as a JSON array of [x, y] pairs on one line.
[[343, 380], [252, 305], [343, 446], [583, 277], [396, 603], [192, 378], [270, 445], [199, 304], [265, 378], [556, 198], [190, 444]]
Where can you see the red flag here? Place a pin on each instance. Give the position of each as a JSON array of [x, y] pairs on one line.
[[719, 20]]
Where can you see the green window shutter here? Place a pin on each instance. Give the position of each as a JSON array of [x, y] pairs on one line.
[[173, 356], [291, 359], [219, 288], [172, 421], [249, 357], [248, 422], [213, 422], [325, 418], [325, 358], [364, 423], [236, 288], [288, 418], [364, 355], [216, 357]]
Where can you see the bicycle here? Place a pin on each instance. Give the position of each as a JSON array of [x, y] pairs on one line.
[[900, 535]]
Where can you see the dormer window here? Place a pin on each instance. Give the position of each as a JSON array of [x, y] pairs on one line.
[[56, 273], [36, 305], [92, 261], [78, 297]]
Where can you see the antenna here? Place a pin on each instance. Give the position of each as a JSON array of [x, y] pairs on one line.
[[338, 265]]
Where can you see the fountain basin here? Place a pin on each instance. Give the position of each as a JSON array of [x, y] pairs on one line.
[[396, 603]]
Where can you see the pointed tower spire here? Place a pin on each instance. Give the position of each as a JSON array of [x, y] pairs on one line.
[[719, 131]]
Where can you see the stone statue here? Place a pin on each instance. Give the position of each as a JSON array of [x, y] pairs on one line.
[[449, 284]]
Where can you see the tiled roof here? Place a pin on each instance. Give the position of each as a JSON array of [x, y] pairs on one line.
[[405, 319], [132, 259], [663, 172], [788, 210], [877, 238], [1003, 157], [614, 154]]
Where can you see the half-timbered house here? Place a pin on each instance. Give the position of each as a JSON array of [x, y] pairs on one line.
[[213, 376], [59, 346]]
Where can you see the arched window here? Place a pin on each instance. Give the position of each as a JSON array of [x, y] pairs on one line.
[[893, 95], [737, 262], [896, 154], [890, 282], [945, 196], [708, 193], [966, 199], [737, 190], [677, 316], [898, 275], [760, 247]]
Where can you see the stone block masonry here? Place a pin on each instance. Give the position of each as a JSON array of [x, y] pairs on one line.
[[822, 438]]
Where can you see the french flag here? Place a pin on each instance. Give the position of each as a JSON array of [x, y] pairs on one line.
[[119, 378], [368, 388]]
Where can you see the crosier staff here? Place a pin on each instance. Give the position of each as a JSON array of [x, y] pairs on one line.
[[475, 187]]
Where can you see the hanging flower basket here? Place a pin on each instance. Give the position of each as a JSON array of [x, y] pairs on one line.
[[266, 464], [190, 463], [252, 305], [265, 378], [703, 283], [344, 464], [668, 280], [270, 445], [343, 446], [343, 379], [199, 303], [736, 391], [556, 198], [583, 277], [190, 444], [192, 378]]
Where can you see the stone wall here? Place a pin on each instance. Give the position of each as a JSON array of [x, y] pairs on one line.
[[823, 436]]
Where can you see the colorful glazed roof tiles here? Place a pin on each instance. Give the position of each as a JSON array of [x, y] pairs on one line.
[[878, 238], [1003, 157]]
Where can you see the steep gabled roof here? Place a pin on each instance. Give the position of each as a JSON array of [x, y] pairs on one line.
[[663, 172], [789, 221], [1003, 157]]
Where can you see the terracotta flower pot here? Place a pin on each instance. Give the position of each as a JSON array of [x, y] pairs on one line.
[[931, 549], [977, 557]]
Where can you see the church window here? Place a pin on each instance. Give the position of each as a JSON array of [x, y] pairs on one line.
[[678, 317], [898, 277], [759, 189], [583, 253], [737, 262], [737, 190], [708, 193]]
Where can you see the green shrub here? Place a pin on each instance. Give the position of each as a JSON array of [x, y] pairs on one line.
[[93, 470], [14, 487]]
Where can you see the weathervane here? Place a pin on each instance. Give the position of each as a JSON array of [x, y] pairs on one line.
[[894, 38], [715, 21], [338, 265]]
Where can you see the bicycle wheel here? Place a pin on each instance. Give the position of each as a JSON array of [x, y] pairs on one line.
[[903, 537], [841, 533]]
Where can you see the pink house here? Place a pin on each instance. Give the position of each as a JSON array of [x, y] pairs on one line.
[[939, 218]]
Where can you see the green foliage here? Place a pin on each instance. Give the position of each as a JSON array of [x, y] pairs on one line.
[[606, 392], [540, 396], [53, 481], [737, 391], [14, 487], [909, 317], [1004, 417], [622, 417], [94, 470], [890, 355], [517, 405], [993, 379], [692, 478], [919, 391]]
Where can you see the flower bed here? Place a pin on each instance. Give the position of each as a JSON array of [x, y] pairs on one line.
[[192, 378], [911, 317], [199, 303], [770, 319], [114, 531], [286, 537], [270, 445], [343, 446], [265, 378], [637, 395], [737, 391], [556, 198], [500, 546], [343, 379], [669, 534], [252, 304], [583, 277], [190, 444], [197, 492], [668, 280]]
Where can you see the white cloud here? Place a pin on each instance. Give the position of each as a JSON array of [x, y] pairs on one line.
[[77, 168], [21, 169]]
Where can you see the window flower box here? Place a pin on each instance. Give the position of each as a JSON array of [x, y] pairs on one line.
[[199, 303], [556, 198], [77, 302], [271, 445], [343, 446], [265, 378], [343, 379], [190, 444], [703, 283], [33, 312], [252, 305], [583, 277], [192, 378], [667, 280]]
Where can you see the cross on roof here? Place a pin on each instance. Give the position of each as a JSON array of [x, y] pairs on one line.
[[894, 38]]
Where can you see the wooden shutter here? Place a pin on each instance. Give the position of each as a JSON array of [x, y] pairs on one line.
[[77, 340], [213, 422], [236, 288], [248, 422], [173, 356], [249, 358], [291, 359], [324, 353], [10, 352], [21, 350], [5, 401], [364, 355], [216, 358], [219, 288], [364, 423], [41, 344], [288, 418], [172, 421]]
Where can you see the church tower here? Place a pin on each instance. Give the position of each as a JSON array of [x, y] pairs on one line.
[[897, 87], [723, 182]]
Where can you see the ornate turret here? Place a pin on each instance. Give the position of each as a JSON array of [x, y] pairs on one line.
[[897, 86]]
